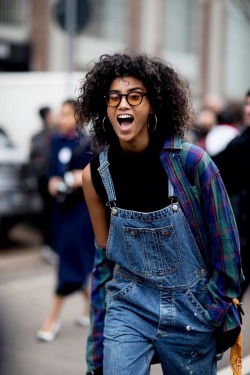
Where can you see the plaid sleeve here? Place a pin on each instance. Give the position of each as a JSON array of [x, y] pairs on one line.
[[224, 285], [212, 222], [101, 273]]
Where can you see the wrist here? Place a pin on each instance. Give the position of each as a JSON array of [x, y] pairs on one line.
[[69, 179]]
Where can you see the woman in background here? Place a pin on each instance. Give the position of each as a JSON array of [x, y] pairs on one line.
[[73, 233]]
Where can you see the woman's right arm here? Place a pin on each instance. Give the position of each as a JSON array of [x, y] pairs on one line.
[[96, 209], [101, 273]]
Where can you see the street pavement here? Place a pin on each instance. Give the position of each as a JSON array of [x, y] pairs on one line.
[[27, 282]]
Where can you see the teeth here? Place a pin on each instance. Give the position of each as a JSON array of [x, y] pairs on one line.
[[125, 116]]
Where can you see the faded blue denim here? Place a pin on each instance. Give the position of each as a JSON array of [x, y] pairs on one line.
[[156, 299]]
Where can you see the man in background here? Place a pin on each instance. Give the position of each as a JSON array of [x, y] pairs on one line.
[[39, 168]]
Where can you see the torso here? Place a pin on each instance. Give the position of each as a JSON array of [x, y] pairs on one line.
[[140, 181]]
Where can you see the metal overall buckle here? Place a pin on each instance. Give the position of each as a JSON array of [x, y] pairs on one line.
[[112, 206]]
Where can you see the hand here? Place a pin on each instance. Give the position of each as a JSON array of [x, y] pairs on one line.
[[53, 184], [77, 175]]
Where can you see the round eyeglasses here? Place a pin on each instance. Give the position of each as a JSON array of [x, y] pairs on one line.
[[133, 98]]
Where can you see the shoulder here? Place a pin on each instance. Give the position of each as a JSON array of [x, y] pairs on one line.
[[93, 169], [36, 137], [94, 162], [197, 162], [86, 175], [191, 151]]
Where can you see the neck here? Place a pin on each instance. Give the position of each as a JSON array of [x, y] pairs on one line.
[[134, 147]]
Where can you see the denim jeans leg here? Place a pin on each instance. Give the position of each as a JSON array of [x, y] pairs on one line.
[[127, 355], [180, 357], [188, 347]]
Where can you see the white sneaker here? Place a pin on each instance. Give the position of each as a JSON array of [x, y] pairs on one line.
[[49, 336], [83, 321]]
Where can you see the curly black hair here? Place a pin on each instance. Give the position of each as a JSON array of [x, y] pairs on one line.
[[168, 93]]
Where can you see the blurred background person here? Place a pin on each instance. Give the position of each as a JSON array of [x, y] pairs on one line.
[[233, 162], [206, 118], [214, 103], [229, 124], [39, 168], [204, 121], [72, 230]]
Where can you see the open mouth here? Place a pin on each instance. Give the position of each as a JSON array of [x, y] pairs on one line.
[[125, 121]]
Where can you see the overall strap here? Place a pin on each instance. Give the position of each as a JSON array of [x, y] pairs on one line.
[[171, 193], [106, 178]]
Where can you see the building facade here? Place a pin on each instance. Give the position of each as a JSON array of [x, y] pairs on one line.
[[207, 40]]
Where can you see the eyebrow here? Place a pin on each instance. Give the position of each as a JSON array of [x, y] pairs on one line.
[[130, 90]]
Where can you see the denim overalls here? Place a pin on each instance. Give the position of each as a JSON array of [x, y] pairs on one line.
[[155, 300]]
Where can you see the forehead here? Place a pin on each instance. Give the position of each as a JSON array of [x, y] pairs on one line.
[[126, 84]]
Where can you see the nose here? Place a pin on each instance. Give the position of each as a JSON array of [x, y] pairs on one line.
[[123, 102]]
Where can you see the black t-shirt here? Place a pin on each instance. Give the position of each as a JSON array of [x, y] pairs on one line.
[[140, 181]]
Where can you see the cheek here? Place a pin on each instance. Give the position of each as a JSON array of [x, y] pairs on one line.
[[110, 114], [144, 116]]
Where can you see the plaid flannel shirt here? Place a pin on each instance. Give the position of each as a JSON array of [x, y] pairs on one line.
[[199, 188]]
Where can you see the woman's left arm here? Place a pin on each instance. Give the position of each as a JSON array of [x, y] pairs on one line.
[[224, 284]]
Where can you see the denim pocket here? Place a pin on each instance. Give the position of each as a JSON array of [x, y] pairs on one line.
[[152, 252], [118, 289], [197, 308]]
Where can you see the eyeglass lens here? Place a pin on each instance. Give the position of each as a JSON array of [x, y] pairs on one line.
[[133, 98]]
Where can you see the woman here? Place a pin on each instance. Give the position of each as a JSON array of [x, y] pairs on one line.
[[73, 232], [176, 259]]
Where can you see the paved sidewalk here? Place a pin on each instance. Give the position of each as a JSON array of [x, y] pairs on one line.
[[245, 368], [26, 289], [24, 304]]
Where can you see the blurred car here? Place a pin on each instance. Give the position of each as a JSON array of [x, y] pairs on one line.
[[19, 195]]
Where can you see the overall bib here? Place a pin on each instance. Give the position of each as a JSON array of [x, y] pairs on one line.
[[155, 301]]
